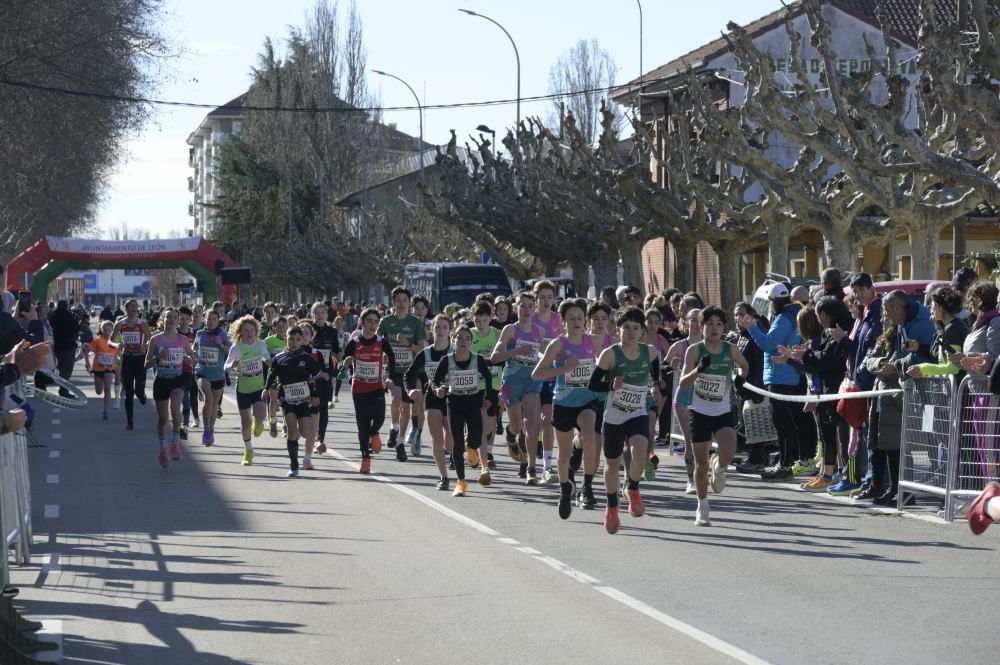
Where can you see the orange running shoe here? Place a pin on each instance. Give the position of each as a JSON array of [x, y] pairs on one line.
[[366, 465], [376, 443], [611, 521], [636, 508]]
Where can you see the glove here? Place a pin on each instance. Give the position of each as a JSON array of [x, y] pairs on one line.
[[706, 360]]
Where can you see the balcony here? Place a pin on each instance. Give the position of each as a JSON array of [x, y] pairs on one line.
[[190, 184]]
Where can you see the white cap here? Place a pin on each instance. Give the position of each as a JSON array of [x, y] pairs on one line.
[[778, 290]]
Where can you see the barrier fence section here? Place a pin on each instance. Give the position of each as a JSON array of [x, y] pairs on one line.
[[15, 499], [950, 439]]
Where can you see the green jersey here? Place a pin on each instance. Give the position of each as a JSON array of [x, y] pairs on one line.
[[412, 328], [275, 345], [483, 345], [630, 400]]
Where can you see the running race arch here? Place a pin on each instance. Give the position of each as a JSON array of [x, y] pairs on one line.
[[50, 257]]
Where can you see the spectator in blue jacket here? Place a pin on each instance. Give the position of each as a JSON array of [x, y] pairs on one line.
[[795, 428], [915, 333]]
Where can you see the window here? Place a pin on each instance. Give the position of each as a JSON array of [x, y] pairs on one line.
[[136, 272]]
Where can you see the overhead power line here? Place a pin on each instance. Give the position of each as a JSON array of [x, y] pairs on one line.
[[320, 109]]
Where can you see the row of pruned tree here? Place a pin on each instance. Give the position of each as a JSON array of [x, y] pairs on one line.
[[865, 171]]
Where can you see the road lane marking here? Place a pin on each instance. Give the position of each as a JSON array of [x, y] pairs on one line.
[[508, 541], [52, 479], [56, 421], [55, 454], [51, 511], [56, 436]]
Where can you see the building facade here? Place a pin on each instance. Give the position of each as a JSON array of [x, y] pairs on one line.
[[204, 144]]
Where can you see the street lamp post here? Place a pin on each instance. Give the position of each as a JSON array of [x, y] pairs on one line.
[[516, 55], [420, 111], [642, 71], [493, 136]]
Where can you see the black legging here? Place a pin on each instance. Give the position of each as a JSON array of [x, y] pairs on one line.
[[465, 416], [369, 412], [133, 380], [190, 398], [796, 429], [829, 422], [324, 390]]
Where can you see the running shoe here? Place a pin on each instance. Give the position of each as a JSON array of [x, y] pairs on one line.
[[104, 415], [532, 478], [336, 399], [979, 519], [499, 427], [218, 412], [164, 459], [393, 438], [843, 488], [183, 432], [442, 485], [566, 500], [636, 508], [485, 478], [376, 443], [649, 473], [175, 451], [293, 473], [411, 438], [550, 476], [141, 395], [659, 441], [116, 404], [818, 484], [777, 474], [366, 465], [248, 457], [211, 437], [415, 449], [512, 449], [451, 462], [273, 428], [804, 468], [197, 423], [130, 425], [611, 520], [308, 466], [717, 475], [867, 493], [585, 498], [461, 487], [205, 438], [690, 489], [522, 471], [680, 449], [701, 515], [473, 456], [258, 427], [750, 468], [490, 462], [401, 454]]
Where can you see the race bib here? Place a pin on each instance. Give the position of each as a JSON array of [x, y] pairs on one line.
[[296, 392], [630, 398], [431, 368], [366, 372], [251, 366], [326, 357], [709, 387], [463, 381], [208, 355], [174, 358], [106, 359], [580, 377], [132, 338], [403, 356], [529, 359]]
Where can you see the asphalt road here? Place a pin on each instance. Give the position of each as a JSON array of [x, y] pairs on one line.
[[214, 563]]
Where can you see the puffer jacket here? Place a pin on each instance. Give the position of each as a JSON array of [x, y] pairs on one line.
[[784, 331]]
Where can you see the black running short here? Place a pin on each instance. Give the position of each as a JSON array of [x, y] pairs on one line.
[[299, 409], [564, 417], [398, 380], [246, 400], [548, 392], [164, 385], [704, 427], [615, 436]]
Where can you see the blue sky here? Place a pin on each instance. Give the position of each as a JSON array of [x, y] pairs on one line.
[[445, 55]]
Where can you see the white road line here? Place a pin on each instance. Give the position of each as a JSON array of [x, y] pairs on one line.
[[51, 511], [52, 631], [663, 618], [56, 421], [508, 541], [52, 479], [55, 454], [56, 436]]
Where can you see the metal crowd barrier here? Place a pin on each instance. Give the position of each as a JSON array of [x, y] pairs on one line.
[[950, 439], [15, 499]]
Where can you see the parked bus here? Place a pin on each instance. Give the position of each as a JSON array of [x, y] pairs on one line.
[[445, 283]]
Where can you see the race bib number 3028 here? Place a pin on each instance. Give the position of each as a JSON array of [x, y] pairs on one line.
[[630, 398]]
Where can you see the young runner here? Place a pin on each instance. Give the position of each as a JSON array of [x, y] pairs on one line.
[[518, 347], [405, 333], [461, 379], [423, 370], [624, 371], [295, 373], [682, 396], [327, 342], [551, 323], [369, 355], [421, 309], [276, 343], [133, 334], [484, 340], [708, 370], [190, 401], [599, 316], [654, 323], [570, 359], [249, 357], [105, 362], [167, 351], [343, 336], [211, 346]]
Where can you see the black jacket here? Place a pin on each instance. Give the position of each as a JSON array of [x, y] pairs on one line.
[[65, 330]]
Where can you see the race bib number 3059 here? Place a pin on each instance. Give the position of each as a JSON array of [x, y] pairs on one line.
[[463, 382]]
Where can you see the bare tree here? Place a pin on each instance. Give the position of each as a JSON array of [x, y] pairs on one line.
[[584, 67]]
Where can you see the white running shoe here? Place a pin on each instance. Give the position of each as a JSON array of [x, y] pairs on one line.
[[701, 515], [717, 475], [690, 489], [117, 404]]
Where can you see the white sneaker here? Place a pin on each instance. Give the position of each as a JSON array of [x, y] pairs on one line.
[[701, 515], [117, 404], [717, 475], [690, 489], [336, 399]]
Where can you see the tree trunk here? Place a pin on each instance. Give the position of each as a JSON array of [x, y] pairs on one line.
[[684, 266], [605, 270], [580, 282], [729, 274], [924, 251], [631, 255], [840, 250], [779, 232]]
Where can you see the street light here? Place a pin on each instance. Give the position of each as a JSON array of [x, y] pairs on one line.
[[493, 135], [420, 111], [642, 72], [516, 55]]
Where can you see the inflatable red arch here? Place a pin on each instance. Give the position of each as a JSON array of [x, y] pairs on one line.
[[50, 257]]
